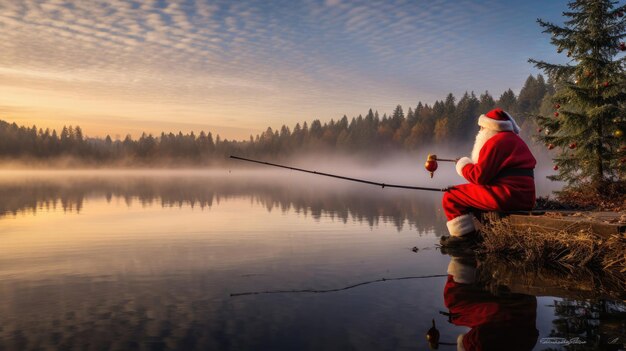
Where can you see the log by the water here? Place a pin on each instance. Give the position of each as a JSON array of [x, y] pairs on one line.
[[547, 221]]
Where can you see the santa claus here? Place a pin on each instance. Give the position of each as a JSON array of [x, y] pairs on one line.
[[500, 175], [502, 321]]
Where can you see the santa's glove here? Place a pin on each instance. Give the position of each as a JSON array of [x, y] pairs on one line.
[[462, 162]]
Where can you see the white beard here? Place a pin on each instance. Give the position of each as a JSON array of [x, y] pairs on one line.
[[481, 139]]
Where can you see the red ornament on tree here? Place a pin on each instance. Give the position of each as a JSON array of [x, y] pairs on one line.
[[557, 106], [538, 130], [622, 46], [572, 145], [605, 84], [556, 114], [550, 146], [556, 168]]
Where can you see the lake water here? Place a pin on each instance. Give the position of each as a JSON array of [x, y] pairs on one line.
[[234, 260]]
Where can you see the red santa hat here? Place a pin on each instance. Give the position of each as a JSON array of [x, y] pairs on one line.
[[497, 119]]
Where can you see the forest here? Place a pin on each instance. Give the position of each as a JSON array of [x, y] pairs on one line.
[[370, 135]]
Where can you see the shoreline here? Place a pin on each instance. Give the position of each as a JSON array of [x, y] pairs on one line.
[[570, 240]]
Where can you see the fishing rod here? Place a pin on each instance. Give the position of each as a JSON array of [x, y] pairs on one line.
[[383, 185]]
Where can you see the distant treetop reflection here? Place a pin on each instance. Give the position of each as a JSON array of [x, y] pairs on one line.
[[336, 200]]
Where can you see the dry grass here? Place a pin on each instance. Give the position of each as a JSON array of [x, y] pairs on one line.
[[609, 196], [565, 247]]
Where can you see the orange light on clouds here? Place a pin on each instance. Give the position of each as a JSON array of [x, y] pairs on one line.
[[101, 116], [118, 67], [235, 68]]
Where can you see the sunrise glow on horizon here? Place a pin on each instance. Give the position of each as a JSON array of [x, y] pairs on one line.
[[234, 68]]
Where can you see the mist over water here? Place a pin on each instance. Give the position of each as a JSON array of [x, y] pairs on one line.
[[280, 190], [35, 188], [409, 169], [395, 168], [145, 259]]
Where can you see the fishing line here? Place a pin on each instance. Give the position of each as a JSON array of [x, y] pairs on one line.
[[383, 185], [316, 291]]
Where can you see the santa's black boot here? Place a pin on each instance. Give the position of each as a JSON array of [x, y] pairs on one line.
[[463, 232], [468, 240]]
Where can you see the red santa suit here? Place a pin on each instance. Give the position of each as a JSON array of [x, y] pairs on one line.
[[499, 174], [504, 322]]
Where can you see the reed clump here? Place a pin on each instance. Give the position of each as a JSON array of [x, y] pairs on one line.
[[565, 247]]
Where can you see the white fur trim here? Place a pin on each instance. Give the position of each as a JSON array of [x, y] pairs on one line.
[[461, 225], [481, 139], [494, 124], [461, 272], [459, 343], [464, 161]]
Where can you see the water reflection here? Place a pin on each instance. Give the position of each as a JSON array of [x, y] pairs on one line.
[[589, 324], [497, 303], [498, 321], [274, 191], [132, 261]]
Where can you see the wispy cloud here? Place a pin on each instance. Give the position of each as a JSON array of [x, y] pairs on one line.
[[255, 63]]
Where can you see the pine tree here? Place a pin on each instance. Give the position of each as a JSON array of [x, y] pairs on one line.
[[508, 102], [465, 117], [588, 122], [397, 118], [78, 134], [487, 103], [530, 96]]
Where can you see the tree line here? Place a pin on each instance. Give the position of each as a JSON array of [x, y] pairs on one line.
[[443, 122]]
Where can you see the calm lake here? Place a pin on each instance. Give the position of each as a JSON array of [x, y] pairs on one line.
[[239, 260]]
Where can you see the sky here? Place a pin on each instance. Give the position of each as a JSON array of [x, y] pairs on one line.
[[236, 67]]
